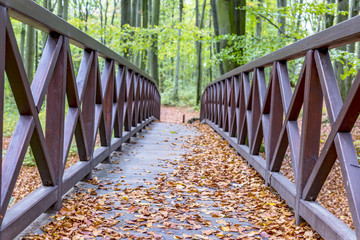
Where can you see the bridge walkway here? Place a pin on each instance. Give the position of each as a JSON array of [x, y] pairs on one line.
[[134, 196]]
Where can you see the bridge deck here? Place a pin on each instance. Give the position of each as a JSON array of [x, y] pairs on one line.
[[134, 198]]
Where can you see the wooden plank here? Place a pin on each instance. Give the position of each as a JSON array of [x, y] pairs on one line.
[[107, 82], [311, 127], [325, 223], [24, 212], [350, 170], [55, 114]]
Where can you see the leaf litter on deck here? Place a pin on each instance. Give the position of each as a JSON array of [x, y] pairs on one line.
[[211, 190]]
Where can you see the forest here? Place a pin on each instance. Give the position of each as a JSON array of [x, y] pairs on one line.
[[185, 45]]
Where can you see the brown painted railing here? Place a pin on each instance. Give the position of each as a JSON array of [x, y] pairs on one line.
[[246, 112], [104, 103]]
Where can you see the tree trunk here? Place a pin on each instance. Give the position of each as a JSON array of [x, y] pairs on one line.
[[226, 26], [240, 16], [125, 16], [137, 54], [177, 71], [258, 26], [114, 12], [66, 10], [22, 41], [150, 12], [133, 12], [354, 11], [200, 24], [154, 46], [216, 32], [106, 19], [210, 51], [329, 18], [86, 14], [145, 25], [60, 8], [30, 51], [281, 17], [339, 68], [101, 23], [138, 13]]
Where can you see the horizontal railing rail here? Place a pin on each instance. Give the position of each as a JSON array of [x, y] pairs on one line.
[[115, 103], [247, 112]]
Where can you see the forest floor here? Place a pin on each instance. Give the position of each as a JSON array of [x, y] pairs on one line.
[[170, 114], [331, 196]]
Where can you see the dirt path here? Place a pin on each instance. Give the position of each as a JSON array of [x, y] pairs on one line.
[[175, 114]]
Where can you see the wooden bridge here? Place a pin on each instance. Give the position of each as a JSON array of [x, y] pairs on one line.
[[122, 100]]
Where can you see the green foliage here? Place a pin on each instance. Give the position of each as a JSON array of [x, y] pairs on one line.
[[243, 49], [349, 60], [302, 20]]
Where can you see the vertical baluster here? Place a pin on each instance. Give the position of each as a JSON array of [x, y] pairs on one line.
[[55, 114], [244, 124], [129, 99], [276, 116], [311, 124]]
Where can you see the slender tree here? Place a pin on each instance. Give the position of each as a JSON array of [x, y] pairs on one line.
[[200, 24], [114, 12], [66, 10], [216, 31], [30, 52], [101, 23], [138, 25], [240, 16], [176, 90], [154, 46], [125, 16], [60, 8], [86, 16], [258, 27], [354, 11], [22, 40], [329, 18], [134, 4], [226, 26], [281, 17], [145, 19], [106, 19], [343, 6]]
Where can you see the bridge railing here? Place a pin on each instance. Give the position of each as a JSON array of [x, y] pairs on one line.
[[247, 112], [116, 103]]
